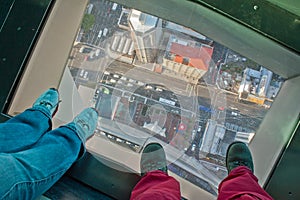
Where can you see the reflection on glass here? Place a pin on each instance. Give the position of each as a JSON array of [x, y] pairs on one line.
[[171, 83]]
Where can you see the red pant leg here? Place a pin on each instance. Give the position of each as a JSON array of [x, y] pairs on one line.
[[242, 184], [156, 185]]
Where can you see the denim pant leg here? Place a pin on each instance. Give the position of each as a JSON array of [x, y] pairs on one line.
[[24, 130], [28, 174]]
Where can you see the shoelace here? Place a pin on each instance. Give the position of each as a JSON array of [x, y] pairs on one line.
[[83, 124], [152, 165], [241, 163], [47, 104]]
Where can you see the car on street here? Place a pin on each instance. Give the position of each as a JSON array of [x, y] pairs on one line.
[[85, 76], [158, 89], [85, 50], [114, 6], [105, 31], [131, 80], [148, 87], [123, 78], [129, 85], [97, 53], [112, 80], [100, 34], [81, 72], [116, 76], [140, 83], [193, 147]]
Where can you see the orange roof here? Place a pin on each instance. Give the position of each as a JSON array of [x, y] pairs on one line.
[[199, 56], [178, 59], [198, 63]]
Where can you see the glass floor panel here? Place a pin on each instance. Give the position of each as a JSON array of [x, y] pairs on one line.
[[156, 81]]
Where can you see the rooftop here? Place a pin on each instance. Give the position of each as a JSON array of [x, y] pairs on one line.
[[199, 57], [142, 22]]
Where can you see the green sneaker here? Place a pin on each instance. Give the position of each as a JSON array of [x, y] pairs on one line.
[[86, 122], [49, 100], [153, 158], [238, 154]]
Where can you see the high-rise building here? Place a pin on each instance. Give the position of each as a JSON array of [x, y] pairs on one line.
[[146, 33], [264, 84], [213, 135]]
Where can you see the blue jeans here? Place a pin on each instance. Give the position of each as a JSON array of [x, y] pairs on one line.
[[32, 156]]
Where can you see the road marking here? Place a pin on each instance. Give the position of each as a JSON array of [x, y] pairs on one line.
[[176, 90]]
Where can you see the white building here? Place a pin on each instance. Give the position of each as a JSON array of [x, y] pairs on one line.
[[244, 137], [213, 135], [146, 33], [266, 77]]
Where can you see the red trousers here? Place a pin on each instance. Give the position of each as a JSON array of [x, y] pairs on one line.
[[156, 185], [243, 185], [240, 184]]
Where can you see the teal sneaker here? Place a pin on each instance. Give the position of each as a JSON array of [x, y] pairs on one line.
[[86, 123], [48, 100], [238, 154], [153, 158]]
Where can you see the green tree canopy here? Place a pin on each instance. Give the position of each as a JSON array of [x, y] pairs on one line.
[[88, 22]]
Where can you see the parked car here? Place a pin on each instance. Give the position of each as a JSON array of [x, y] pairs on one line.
[[100, 34], [85, 76], [114, 6], [105, 31]]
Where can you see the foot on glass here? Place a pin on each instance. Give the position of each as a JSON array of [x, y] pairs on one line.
[[153, 158], [49, 100], [238, 154], [86, 122]]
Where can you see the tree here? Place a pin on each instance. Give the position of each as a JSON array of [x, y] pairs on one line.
[[88, 22]]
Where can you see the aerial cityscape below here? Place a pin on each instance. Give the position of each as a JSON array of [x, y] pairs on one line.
[[169, 82]]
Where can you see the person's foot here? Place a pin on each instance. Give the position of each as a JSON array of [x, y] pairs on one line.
[[238, 154], [86, 122], [49, 100], [153, 158]]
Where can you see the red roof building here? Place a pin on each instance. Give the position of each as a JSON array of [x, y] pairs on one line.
[[198, 57]]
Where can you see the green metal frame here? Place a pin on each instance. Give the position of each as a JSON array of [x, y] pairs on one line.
[[284, 183], [265, 17]]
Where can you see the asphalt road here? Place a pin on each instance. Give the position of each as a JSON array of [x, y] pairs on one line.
[[105, 18], [240, 113]]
